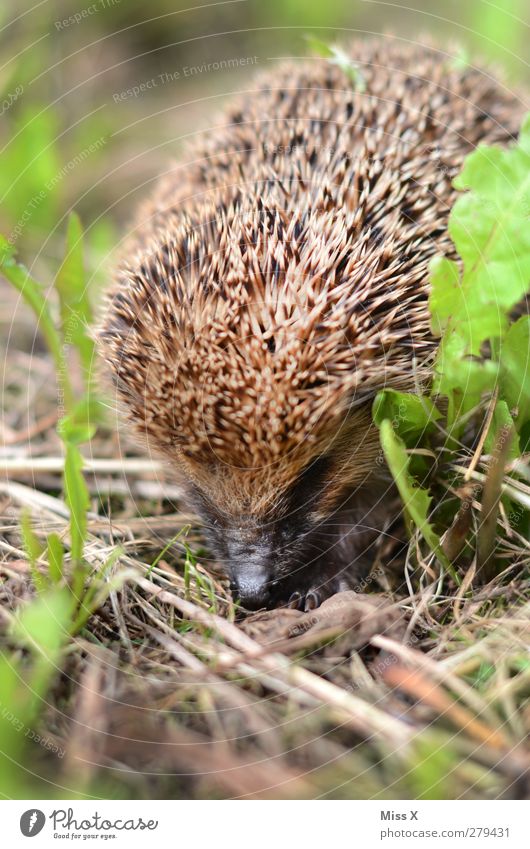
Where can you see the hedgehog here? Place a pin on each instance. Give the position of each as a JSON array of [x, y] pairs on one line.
[[275, 281]]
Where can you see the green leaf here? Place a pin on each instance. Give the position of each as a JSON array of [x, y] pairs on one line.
[[12, 719], [470, 304], [33, 294], [77, 499], [7, 253], [433, 761], [34, 550], [71, 286], [489, 225], [42, 629], [446, 293], [29, 162], [416, 500], [81, 425], [55, 557], [43, 625], [412, 416], [76, 433], [99, 589]]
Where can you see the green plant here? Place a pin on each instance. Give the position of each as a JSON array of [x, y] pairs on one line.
[[69, 588], [482, 367], [40, 630], [70, 335], [337, 56]]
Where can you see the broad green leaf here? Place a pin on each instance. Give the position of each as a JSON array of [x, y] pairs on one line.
[[446, 293], [490, 228], [470, 304], [14, 715], [42, 626], [470, 377], [411, 415]]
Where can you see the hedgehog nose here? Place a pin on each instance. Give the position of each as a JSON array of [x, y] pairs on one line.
[[250, 572], [253, 591]]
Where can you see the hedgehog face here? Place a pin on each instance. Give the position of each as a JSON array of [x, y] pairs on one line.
[[267, 548], [284, 532]]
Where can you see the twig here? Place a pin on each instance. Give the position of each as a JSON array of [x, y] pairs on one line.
[[363, 717], [434, 668], [483, 436], [490, 505], [127, 465], [13, 437]]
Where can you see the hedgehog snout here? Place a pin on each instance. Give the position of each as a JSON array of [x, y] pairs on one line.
[[251, 571]]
